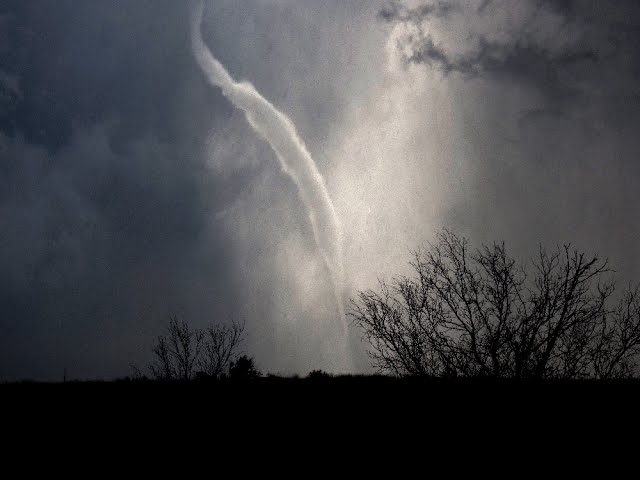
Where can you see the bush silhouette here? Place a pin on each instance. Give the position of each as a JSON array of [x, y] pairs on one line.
[[243, 369], [318, 375]]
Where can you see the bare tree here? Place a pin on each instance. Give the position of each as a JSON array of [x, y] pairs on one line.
[[183, 349], [478, 313], [162, 367], [176, 353], [185, 345], [220, 350], [617, 342]]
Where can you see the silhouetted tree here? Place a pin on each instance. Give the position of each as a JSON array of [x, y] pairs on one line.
[[183, 349], [176, 353], [243, 369], [221, 344], [162, 367], [136, 373], [478, 313]]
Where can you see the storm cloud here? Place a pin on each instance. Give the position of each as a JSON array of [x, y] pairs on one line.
[[559, 49], [546, 94], [130, 190]]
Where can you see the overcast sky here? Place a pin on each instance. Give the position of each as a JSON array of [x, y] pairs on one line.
[[131, 189]]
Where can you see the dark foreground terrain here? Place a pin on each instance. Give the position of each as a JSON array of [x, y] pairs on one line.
[[371, 414], [377, 396]]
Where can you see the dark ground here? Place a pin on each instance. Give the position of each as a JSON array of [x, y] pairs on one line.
[[377, 417], [380, 396]]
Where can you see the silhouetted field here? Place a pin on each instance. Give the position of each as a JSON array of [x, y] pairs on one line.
[[356, 391], [347, 406], [273, 384]]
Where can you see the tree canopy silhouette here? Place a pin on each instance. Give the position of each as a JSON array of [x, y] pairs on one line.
[[479, 313]]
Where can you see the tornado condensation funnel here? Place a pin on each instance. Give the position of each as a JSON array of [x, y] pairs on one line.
[[279, 131]]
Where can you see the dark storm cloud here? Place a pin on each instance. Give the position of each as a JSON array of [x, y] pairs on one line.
[[396, 11], [553, 69], [99, 247], [575, 56], [105, 200], [130, 190], [517, 62], [83, 63]]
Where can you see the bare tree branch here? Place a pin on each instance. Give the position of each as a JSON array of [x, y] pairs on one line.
[[221, 344], [479, 313]]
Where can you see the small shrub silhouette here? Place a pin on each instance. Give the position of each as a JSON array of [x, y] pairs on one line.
[[243, 369], [318, 375]]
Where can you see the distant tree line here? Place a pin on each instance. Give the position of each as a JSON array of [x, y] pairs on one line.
[[479, 313], [465, 312]]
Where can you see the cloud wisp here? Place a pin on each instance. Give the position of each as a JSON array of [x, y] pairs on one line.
[[280, 132]]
